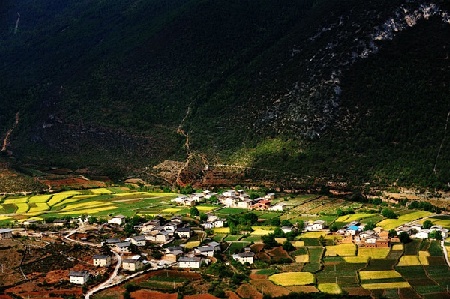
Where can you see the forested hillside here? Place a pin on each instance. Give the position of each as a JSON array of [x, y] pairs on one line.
[[343, 90]]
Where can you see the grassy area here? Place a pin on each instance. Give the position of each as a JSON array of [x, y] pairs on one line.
[[388, 224]]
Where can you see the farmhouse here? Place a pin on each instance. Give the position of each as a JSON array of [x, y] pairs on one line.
[[279, 207], [315, 226], [59, 222], [204, 250], [138, 240], [78, 277], [184, 232], [189, 262], [5, 233], [118, 219], [123, 247], [263, 204], [244, 257], [287, 229], [101, 260], [133, 264], [111, 241]]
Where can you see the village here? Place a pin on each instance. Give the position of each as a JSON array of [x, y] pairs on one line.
[[125, 247]]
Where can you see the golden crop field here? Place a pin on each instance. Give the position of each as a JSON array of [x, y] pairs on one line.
[[221, 230], [330, 288], [375, 253], [171, 210], [39, 198], [442, 222], [397, 247], [298, 244], [280, 240], [423, 257], [261, 232], [409, 260], [341, 250], [86, 205], [39, 207], [62, 202], [4, 217], [385, 285], [89, 211], [388, 224], [369, 275], [22, 208], [292, 278], [205, 208], [312, 235], [353, 217], [100, 191], [304, 258], [356, 259], [59, 197], [15, 200]]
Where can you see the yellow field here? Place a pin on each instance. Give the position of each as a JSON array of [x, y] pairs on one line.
[[192, 244], [385, 285], [205, 209], [292, 278], [171, 210], [16, 200], [312, 235], [302, 258], [280, 240], [100, 191], [442, 222], [397, 247], [388, 224], [59, 197], [63, 202], [39, 198], [86, 205], [21, 208], [40, 207], [423, 257], [341, 250], [375, 253], [90, 211], [330, 288], [369, 275], [409, 260], [298, 244], [353, 217], [261, 232], [356, 259], [4, 217], [221, 230]]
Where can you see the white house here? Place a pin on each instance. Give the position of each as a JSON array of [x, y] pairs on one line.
[[133, 264], [215, 245], [138, 240], [287, 229], [244, 204], [244, 257], [159, 236], [118, 219], [198, 197], [279, 207], [204, 250], [229, 193], [189, 262], [123, 247], [78, 277], [315, 226], [423, 234], [184, 232], [5, 233], [101, 260], [219, 223]]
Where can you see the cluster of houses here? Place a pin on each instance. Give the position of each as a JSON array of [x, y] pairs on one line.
[[232, 199], [354, 233]]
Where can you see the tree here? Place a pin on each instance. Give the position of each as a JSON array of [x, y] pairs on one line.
[[392, 233], [288, 246], [404, 237], [286, 223], [427, 224], [333, 228], [278, 233], [194, 212], [203, 217], [269, 241], [369, 226], [437, 234], [388, 213], [275, 221]]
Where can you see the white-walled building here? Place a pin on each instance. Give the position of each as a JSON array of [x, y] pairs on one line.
[[101, 260], [189, 262], [78, 277]]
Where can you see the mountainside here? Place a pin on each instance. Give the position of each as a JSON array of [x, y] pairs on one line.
[[286, 91]]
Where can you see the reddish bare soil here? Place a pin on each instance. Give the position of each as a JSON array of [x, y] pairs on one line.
[[268, 287], [232, 295], [146, 294], [56, 276], [357, 291], [249, 291], [74, 182], [303, 289], [200, 296]]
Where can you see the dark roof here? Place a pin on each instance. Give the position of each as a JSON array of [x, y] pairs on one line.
[[139, 238], [246, 254], [100, 257], [123, 244], [184, 229], [78, 273], [189, 259]]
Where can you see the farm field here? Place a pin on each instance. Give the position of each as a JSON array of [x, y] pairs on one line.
[[99, 202], [292, 278]]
